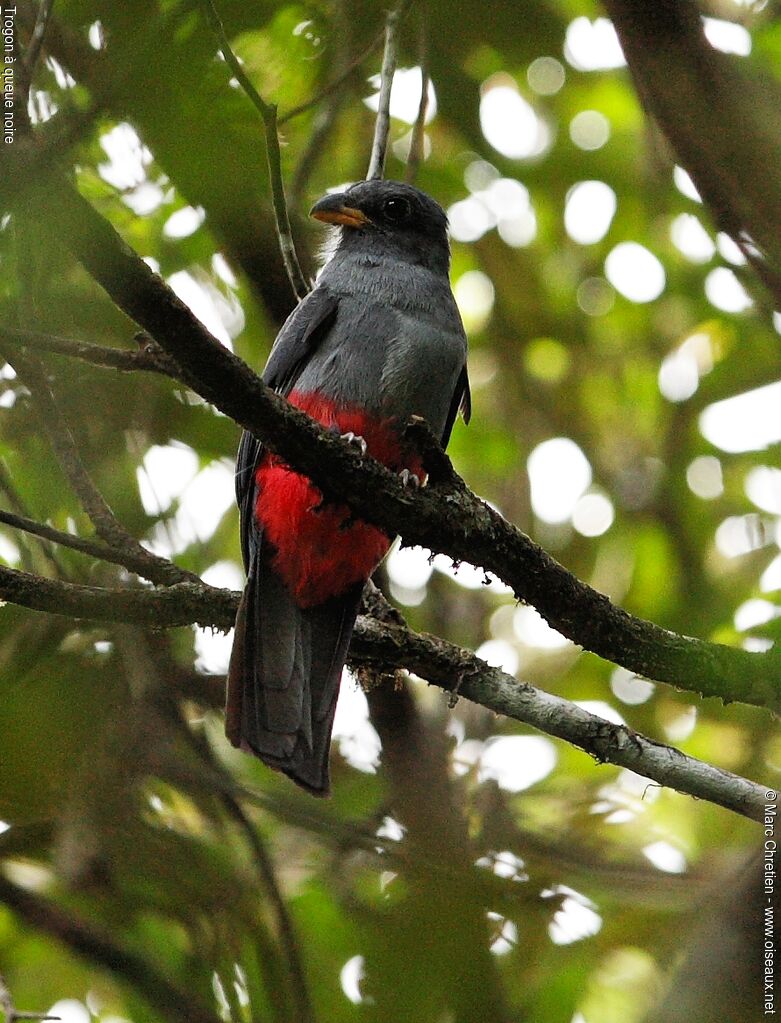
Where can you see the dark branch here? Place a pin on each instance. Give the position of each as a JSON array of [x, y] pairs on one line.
[[97, 945], [382, 122], [390, 642], [164, 608], [66, 449], [444, 517], [268, 113], [457, 670], [92, 548], [418, 136], [37, 37], [299, 985], [151, 358], [723, 140]]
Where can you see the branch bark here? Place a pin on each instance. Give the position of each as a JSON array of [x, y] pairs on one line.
[[268, 113], [89, 940], [10, 1013], [444, 516], [382, 121], [91, 548], [151, 358], [63, 443], [379, 644], [716, 118], [417, 143]]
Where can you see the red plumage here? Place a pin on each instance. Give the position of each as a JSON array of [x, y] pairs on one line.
[[321, 550]]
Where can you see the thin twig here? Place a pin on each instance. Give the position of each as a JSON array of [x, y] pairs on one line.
[[152, 359], [93, 941], [418, 138], [91, 548], [299, 984], [382, 123], [324, 120], [221, 782], [334, 84], [14, 498], [268, 113], [13, 1014], [36, 39], [64, 445]]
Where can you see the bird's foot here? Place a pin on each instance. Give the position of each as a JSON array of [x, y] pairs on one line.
[[409, 479], [355, 440]]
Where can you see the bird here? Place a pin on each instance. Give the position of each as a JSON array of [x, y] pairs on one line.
[[377, 341]]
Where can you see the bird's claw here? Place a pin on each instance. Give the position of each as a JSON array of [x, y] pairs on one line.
[[409, 479], [355, 440]]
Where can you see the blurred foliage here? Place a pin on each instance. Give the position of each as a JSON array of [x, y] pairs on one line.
[[135, 869]]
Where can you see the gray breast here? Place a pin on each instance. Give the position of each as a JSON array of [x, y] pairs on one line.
[[397, 346]]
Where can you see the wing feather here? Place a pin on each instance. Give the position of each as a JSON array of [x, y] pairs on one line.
[[301, 334], [460, 402]]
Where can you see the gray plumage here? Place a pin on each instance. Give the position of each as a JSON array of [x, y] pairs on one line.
[[381, 333]]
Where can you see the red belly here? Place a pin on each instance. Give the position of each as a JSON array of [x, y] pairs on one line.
[[321, 550]]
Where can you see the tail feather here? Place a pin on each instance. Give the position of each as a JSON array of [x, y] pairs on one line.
[[284, 674]]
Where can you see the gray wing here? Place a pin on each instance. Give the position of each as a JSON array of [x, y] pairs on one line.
[[461, 402], [300, 336]]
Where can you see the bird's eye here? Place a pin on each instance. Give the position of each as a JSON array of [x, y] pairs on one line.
[[396, 210]]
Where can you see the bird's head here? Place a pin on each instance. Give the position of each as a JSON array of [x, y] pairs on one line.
[[388, 218]]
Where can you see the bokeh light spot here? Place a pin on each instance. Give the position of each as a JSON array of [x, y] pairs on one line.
[[589, 211], [589, 130], [498, 653], [592, 45], [546, 359], [754, 612], [546, 76], [595, 296], [405, 95], [704, 477], [635, 272], [763, 488], [533, 631], [351, 977], [470, 219], [745, 422], [629, 688], [593, 515], [727, 36], [516, 762], [184, 222], [690, 237], [685, 185], [665, 857], [576, 918], [725, 292], [740, 534], [559, 473], [510, 124], [474, 295], [680, 372]]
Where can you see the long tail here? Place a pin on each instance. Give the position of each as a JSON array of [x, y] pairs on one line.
[[284, 674]]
